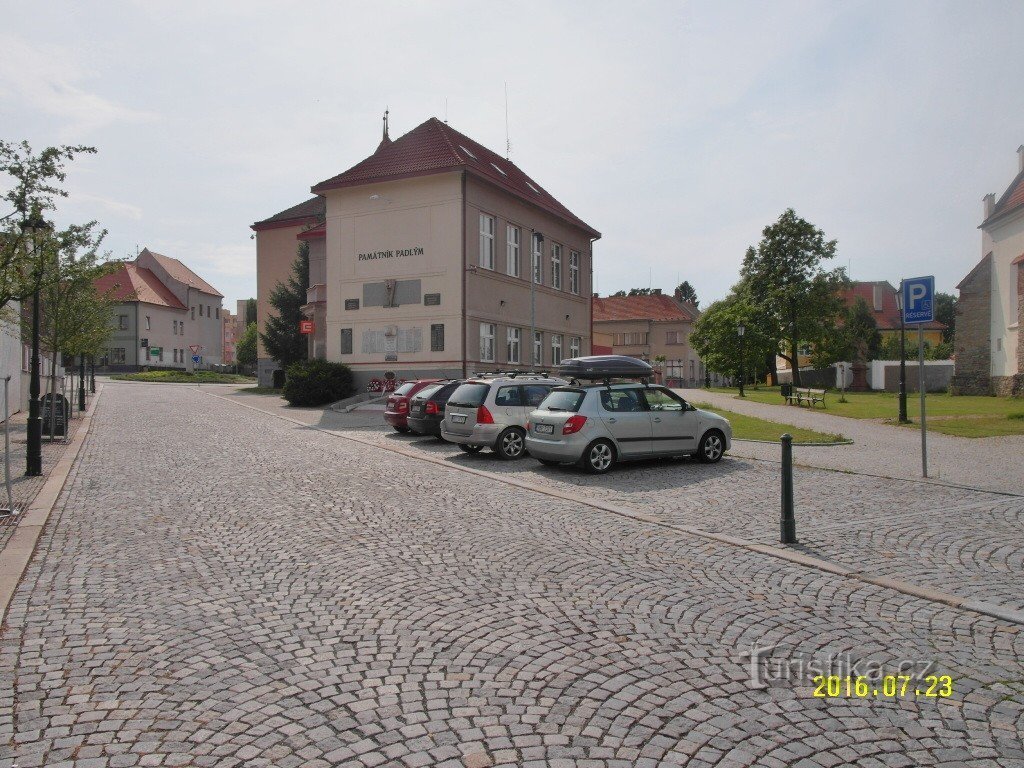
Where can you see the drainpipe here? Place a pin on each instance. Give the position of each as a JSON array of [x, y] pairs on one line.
[[138, 354], [465, 328]]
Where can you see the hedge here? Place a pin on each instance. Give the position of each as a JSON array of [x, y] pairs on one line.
[[317, 382]]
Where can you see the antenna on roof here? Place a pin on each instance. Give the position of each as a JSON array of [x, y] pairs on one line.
[[508, 140], [386, 137], [446, 110]]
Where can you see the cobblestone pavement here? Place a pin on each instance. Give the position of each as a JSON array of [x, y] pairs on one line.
[[992, 463], [24, 489], [277, 596]]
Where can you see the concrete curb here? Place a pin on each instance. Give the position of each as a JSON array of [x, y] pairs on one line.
[[795, 443], [789, 555], [15, 557]]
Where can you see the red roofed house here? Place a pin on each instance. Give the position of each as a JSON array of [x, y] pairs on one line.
[[650, 327], [163, 309], [880, 296], [989, 346], [435, 256]]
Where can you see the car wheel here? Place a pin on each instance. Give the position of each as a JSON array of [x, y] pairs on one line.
[[470, 448], [403, 430], [549, 462], [711, 447], [511, 444], [599, 457]]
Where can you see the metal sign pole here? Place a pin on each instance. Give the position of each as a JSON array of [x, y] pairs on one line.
[[7, 451], [920, 386]]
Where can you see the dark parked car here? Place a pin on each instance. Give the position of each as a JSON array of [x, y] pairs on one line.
[[396, 410], [426, 409]]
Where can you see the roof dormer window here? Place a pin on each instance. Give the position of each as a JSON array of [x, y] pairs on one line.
[[467, 151], [498, 169]]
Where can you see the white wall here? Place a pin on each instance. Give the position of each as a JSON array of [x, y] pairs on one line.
[[10, 355], [1007, 244]]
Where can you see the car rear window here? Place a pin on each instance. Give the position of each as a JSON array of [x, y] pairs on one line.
[[563, 400], [406, 388], [535, 394], [427, 391], [441, 394], [469, 395]]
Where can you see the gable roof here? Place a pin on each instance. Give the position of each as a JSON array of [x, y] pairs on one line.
[[183, 274], [315, 207], [658, 308], [1012, 200], [134, 283], [888, 317], [435, 147]]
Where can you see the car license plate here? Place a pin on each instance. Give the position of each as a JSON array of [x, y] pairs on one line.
[[545, 429], [458, 418]]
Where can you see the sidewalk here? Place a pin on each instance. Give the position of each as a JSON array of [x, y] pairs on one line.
[[991, 463]]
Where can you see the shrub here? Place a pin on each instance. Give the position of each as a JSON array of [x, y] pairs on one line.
[[317, 382]]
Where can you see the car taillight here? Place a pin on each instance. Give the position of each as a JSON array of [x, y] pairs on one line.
[[432, 408], [574, 424], [402, 405], [483, 416]]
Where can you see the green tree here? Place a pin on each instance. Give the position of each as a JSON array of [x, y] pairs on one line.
[[250, 311], [281, 338], [245, 349], [687, 293], [786, 284], [34, 185], [945, 312], [716, 340]]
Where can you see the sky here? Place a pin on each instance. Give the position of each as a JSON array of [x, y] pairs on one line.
[[679, 130]]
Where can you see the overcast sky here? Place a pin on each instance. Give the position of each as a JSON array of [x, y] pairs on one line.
[[677, 129]]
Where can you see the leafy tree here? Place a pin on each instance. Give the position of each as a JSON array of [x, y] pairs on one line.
[[716, 341], [945, 312], [636, 292], [35, 184], [941, 351], [786, 284], [687, 293], [245, 349], [250, 311], [282, 339], [889, 349]]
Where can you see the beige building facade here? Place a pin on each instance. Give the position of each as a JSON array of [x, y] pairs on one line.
[[437, 257]]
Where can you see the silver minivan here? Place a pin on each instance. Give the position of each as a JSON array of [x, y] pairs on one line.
[[491, 412], [597, 425]]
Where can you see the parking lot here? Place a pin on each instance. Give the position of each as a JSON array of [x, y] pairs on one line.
[[227, 582]]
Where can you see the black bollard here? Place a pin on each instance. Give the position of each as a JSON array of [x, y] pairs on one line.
[[788, 518]]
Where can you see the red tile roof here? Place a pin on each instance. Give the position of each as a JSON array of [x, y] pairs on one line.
[[1012, 199], [659, 308], [134, 283], [320, 230], [888, 317], [313, 208], [1018, 260], [434, 147], [183, 274]]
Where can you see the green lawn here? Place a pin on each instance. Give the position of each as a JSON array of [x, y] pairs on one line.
[[181, 377], [753, 428], [965, 415]]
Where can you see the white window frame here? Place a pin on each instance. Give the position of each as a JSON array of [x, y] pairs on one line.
[[487, 226], [537, 260], [556, 266], [574, 272], [513, 249], [487, 331], [514, 345], [556, 348], [575, 346], [538, 347]]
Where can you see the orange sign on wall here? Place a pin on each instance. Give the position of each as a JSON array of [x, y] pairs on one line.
[[306, 326]]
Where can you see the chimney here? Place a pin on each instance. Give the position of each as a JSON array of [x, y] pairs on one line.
[[678, 294], [1020, 159], [990, 202]]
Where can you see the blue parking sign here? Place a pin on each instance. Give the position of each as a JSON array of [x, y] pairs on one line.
[[919, 299]]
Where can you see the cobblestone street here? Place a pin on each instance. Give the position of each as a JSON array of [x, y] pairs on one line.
[[220, 587]]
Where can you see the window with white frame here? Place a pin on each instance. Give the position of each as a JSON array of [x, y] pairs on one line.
[[575, 344], [148, 324], [556, 266], [574, 272], [512, 250], [536, 260], [486, 241], [122, 322], [674, 337], [487, 342], [556, 348], [632, 339], [515, 340], [538, 348]]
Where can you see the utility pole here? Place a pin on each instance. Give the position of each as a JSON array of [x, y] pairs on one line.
[[34, 448], [903, 358]]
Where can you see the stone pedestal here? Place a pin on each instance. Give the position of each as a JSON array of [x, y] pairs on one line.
[[860, 377]]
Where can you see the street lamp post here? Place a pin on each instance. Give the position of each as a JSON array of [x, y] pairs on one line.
[[903, 358], [34, 447], [92, 374], [740, 331], [81, 382]]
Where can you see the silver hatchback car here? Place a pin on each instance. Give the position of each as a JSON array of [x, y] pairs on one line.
[[597, 425], [491, 411]]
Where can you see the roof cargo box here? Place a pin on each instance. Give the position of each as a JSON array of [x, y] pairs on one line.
[[600, 367]]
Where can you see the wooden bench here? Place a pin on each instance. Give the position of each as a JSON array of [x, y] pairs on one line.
[[806, 395]]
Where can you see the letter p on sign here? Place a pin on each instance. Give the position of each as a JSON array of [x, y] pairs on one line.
[[919, 300]]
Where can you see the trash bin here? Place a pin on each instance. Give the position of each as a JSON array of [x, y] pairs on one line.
[[786, 390], [278, 379]]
